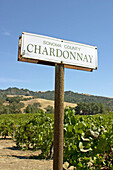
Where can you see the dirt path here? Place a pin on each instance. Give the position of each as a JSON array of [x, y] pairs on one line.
[[11, 158]]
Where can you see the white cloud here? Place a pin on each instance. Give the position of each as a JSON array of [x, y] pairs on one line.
[[6, 33]]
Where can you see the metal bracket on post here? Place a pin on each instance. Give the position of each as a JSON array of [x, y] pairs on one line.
[[58, 117]]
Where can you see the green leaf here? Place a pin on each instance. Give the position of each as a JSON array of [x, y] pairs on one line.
[[70, 127], [80, 164], [74, 147]]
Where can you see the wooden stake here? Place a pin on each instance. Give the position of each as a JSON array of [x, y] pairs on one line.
[[58, 117]]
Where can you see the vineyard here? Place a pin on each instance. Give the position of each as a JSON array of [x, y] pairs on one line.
[[88, 140]]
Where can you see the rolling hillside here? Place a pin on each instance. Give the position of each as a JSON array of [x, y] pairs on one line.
[[69, 96], [43, 102]]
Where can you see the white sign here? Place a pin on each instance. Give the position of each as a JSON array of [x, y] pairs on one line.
[[54, 50]]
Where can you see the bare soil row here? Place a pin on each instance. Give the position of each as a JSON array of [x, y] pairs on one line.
[[13, 158]]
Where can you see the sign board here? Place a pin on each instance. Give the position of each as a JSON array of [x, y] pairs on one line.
[[47, 50], [61, 53]]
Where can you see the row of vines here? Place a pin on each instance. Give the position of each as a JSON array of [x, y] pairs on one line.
[[88, 140]]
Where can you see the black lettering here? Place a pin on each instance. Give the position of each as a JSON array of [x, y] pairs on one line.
[[65, 54], [39, 49], [52, 50], [29, 48]]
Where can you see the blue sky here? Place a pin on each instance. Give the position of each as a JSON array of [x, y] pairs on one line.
[[84, 21]]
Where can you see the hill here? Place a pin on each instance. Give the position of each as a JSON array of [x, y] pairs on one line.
[[44, 103], [69, 96]]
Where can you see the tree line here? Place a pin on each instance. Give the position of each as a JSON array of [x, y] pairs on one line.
[[69, 96], [13, 105], [91, 108]]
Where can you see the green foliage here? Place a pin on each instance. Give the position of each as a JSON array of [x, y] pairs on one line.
[[15, 107], [33, 108], [2, 97], [6, 128], [29, 131], [12, 108], [89, 108], [88, 140], [16, 99], [10, 123], [49, 109], [36, 133]]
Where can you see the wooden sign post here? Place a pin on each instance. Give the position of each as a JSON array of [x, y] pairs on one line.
[[62, 54], [58, 117]]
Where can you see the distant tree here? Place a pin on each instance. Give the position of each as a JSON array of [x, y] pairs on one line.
[[49, 109], [28, 109], [36, 105], [15, 107], [79, 108], [33, 108], [6, 110], [102, 108], [108, 108], [95, 109], [89, 108], [26, 94], [1, 109], [16, 99]]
